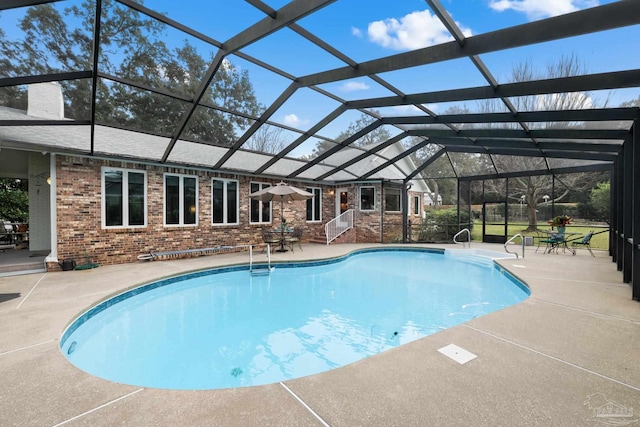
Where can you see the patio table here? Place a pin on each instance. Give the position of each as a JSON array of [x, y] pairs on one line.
[[555, 241], [282, 232]]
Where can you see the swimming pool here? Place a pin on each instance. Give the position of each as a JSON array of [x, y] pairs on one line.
[[227, 328]]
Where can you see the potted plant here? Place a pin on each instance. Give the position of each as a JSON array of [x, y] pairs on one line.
[[560, 221]]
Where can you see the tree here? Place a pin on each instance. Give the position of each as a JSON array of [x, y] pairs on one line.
[[379, 134], [631, 103], [534, 187], [14, 200], [267, 139], [600, 199], [132, 47], [10, 96], [439, 173]]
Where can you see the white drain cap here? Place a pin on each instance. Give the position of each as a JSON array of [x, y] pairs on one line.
[[456, 353]]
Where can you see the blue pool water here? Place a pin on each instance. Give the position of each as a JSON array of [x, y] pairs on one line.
[[227, 328]]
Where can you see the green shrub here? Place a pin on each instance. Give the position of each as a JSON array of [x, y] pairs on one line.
[[441, 225], [14, 205]]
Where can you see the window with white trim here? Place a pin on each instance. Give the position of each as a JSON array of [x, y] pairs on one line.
[[392, 199], [180, 199], [314, 205], [225, 201], [367, 198], [124, 198], [260, 211]]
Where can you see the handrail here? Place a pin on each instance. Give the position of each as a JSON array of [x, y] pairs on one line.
[[521, 241], [269, 256], [251, 259], [338, 225], [459, 233]]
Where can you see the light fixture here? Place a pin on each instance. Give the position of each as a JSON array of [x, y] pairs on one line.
[[192, 209], [331, 192], [49, 180]]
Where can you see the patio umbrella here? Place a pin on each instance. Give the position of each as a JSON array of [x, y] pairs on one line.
[[283, 192]]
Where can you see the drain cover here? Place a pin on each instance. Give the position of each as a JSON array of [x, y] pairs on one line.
[[456, 353]]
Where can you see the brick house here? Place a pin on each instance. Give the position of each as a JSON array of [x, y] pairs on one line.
[[122, 201]]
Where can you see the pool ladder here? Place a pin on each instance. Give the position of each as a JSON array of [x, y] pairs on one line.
[[260, 271]]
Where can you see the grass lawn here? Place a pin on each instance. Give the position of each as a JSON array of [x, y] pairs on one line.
[[598, 241]]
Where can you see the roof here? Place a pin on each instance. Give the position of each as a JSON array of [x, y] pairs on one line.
[[492, 117]]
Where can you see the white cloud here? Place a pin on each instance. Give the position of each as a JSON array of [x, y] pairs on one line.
[[412, 31], [353, 86], [294, 121], [412, 109], [356, 32], [407, 109], [538, 9], [227, 65]]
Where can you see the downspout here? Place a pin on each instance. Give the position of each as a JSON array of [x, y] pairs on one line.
[[404, 202], [458, 204], [53, 208]]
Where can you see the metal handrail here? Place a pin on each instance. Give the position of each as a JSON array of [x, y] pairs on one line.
[[459, 233], [251, 258], [509, 241], [338, 225]]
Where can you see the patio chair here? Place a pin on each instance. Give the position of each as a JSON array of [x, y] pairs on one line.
[[585, 242], [6, 234], [553, 241], [542, 237], [293, 238], [270, 238]]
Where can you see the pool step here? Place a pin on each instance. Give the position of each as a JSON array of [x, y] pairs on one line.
[[264, 271]]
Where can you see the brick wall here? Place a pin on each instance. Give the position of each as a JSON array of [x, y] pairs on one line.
[[79, 212], [79, 215]]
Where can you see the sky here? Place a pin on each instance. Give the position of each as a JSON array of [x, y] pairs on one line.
[[367, 30]]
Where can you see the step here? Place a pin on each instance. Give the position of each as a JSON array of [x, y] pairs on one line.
[[23, 268], [318, 240]]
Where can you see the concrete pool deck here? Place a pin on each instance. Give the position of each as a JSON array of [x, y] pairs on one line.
[[570, 348]]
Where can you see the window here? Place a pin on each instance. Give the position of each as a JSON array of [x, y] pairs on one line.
[[260, 211], [225, 201], [416, 205], [314, 205], [392, 200], [180, 199], [124, 198], [367, 198]]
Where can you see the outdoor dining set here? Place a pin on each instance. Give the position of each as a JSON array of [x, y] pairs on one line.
[[282, 235], [283, 238], [555, 240]]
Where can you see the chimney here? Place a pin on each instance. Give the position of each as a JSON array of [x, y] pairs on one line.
[[45, 101]]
